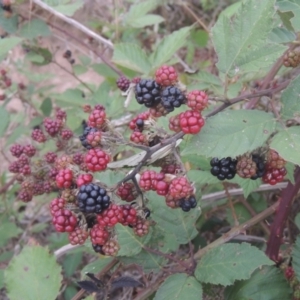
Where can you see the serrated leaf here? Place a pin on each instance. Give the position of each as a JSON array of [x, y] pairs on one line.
[[232, 133], [105, 71], [294, 7], [202, 177], [4, 119], [68, 9], [130, 244], [96, 266], [71, 97], [296, 257], [248, 185], [35, 28], [230, 262], [179, 286], [131, 56], [169, 46], [290, 100], [281, 35], [10, 25], [8, 230], [287, 143], [146, 20], [125, 281], [7, 44], [46, 107], [139, 10], [33, 267], [267, 283], [148, 261], [248, 31]]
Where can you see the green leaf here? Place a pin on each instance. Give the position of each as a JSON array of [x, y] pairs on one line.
[[132, 57], [168, 46], [297, 220], [105, 71], [139, 10], [291, 6], [290, 168], [287, 143], [71, 97], [67, 9], [148, 261], [267, 283], [7, 44], [8, 230], [199, 37], [179, 286], [247, 31], [130, 244], [79, 69], [291, 100], [10, 25], [232, 133], [296, 257], [4, 120], [96, 266], [202, 177], [33, 274], [71, 263], [35, 28], [281, 35], [146, 20], [46, 107], [229, 262], [248, 185]]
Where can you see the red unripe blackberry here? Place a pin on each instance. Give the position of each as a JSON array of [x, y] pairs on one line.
[[49, 186], [21, 86], [191, 122], [147, 92], [52, 173], [172, 202], [138, 138], [50, 157], [14, 167], [78, 158], [273, 176], [56, 204], [64, 178], [162, 188], [66, 134], [94, 138], [23, 161], [7, 82], [170, 169], [29, 150], [84, 179], [38, 136], [2, 97], [99, 235], [246, 167], [25, 195], [52, 127], [3, 72], [60, 114], [180, 188], [111, 216], [141, 227], [78, 236], [166, 75], [38, 188], [129, 215], [97, 118], [197, 100], [63, 162], [158, 111], [111, 248], [274, 161], [96, 160], [25, 170], [149, 179], [64, 220], [123, 83], [136, 80], [174, 123], [16, 150], [289, 273], [143, 116], [127, 192]]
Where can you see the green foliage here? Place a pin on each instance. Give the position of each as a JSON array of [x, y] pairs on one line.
[[4, 120], [33, 265], [267, 283], [230, 262], [247, 32], [8, 230], [248, 185], [296, 257], [292, 6], [232, 133], [35, 28], [8, 44], [179, 286], [65, 7]]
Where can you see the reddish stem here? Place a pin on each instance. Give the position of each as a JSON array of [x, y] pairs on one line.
[[283, 211]]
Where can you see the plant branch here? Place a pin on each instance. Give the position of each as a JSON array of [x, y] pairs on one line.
[[286, 200], [74, 23], [237, 230]]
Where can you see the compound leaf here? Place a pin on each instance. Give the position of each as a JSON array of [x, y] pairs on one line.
[[232, 133], [179, 286], [229, 262], [33, 274]]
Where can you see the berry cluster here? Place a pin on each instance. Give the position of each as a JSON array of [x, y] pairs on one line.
[[292, 58], [224, 168]]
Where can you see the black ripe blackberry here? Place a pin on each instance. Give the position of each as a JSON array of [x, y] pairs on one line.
[[260, 165], [147, 92], [188, 204], [98, 248], [224, 168], [123, 83], [92, 199], [140, 124], [147, 212], [86, 132], [172, 97]]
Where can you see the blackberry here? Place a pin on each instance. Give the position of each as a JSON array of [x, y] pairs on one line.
[[224, 168], [92, 198], [147, 212], [260, 165], [83, 137], [147, 92], [172, 97], [140, 124], [98, 248], [123, 83], [187, 204]]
